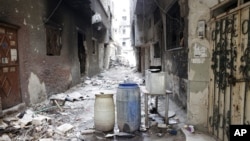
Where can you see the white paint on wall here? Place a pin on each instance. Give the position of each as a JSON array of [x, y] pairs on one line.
[[36, 89], [198, 105]]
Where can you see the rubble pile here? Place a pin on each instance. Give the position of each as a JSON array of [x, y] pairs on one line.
[[69, 116]]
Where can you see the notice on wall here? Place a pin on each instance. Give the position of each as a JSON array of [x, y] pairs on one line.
[[5, 60], [5, 69], [200, 51], [13, 53]]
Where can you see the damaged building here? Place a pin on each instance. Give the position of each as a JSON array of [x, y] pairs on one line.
[[203, 48], [47, 46]]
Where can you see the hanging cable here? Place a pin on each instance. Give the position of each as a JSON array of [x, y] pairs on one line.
[[53, 12], [162, 9]]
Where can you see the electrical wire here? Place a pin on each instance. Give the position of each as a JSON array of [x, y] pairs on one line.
[[162, 9], [53, 12]]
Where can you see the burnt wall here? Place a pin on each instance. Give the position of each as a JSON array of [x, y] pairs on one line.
[[40, 74]]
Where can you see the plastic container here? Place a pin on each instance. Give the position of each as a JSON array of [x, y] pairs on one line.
[[104, 112], [155, 82], [128, 104]]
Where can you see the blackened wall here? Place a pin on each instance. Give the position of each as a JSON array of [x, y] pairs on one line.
[[42, 75]]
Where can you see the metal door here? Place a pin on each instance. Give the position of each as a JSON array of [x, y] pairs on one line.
[[229, 98], [9, 68]]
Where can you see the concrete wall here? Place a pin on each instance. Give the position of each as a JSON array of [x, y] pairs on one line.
[[42, 75], [139, 30], [199, 64]]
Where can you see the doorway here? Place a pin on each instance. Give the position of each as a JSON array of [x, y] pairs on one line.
[[82, 53], [9, 67]]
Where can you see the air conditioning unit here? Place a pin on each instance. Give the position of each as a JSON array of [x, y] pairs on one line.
[[155, 82]]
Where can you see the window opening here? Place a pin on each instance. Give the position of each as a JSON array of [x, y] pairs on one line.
[[175, 27], [53, 40]]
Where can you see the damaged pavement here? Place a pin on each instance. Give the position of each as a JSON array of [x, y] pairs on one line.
[[70, 115]]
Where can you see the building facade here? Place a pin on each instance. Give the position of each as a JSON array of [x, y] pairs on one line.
[[204, 55], [47, 46]]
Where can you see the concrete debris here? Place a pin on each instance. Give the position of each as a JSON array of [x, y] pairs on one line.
[[75, 96], [40, 119], [46, 122], [162, 126], [89, 131], [3, 125], [46, 139], [120, 134], [64, 128], [5, 137]]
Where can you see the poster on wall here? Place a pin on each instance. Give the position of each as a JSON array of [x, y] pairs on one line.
[[13, 53]]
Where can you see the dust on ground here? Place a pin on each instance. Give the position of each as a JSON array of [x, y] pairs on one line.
[[66, 120]]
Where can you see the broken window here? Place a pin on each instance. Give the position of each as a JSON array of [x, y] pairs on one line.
[[174, 27], [53, 40]]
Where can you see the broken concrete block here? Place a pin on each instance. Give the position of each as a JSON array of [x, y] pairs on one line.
[[40, 119], [162, 126], [64, 128], [3, 125], [46, 139], [89, 131], [50, 132], [5, 137]]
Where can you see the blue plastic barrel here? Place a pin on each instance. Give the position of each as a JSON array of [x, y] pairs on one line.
[[128, 106]]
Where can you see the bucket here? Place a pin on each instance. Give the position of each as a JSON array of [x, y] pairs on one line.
[[104, 115], [128, 105]]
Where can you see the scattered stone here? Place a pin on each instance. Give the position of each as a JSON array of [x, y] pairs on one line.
[[162, 126], [5, 137], [64, 128], [50, 132], [89, 131], [3, 125], [46, 139], [40, 119], [75, 96]]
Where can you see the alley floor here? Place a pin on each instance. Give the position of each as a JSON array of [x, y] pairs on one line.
[[73, 120]]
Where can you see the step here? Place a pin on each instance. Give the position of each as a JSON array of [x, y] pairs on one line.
[[196, 136]]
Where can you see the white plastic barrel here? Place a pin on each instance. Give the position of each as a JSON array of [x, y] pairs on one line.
[[104, 112]]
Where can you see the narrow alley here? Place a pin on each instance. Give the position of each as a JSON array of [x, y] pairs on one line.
[[41, 121], [147, 70]]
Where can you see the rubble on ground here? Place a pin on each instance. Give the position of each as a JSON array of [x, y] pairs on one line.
[[69, 115]]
